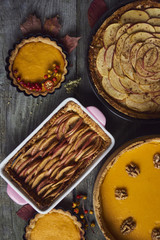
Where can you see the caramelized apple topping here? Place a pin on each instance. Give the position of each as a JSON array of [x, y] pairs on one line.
[[128, 225], [51, 161], [132, 169], [156, 160], [121, 193], [125, 59], [155, 234]]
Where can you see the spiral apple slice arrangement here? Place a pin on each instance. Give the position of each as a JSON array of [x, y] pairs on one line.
[[128, 62], [57, 156]]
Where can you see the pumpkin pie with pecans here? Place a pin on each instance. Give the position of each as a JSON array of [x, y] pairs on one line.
[[124, 59], [57, 224], [37, 66], [127, 194]]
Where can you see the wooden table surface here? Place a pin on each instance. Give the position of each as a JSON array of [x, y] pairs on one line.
[[21, 114]]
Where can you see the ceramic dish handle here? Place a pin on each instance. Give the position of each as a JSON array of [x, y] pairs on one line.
[[15, 196], [98, 116]]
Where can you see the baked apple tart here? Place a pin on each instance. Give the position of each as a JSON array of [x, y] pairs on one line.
[[124, 59], [57, 155]]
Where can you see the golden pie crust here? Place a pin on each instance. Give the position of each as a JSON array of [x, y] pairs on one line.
[[37, 66], [57, 155], [130, 168], [57, 224], [124, 59]]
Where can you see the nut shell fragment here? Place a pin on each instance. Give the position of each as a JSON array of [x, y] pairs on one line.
[[155, 234]]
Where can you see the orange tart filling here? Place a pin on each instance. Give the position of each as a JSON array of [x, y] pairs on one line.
[[130, 193], [57, 224], [38, 65]]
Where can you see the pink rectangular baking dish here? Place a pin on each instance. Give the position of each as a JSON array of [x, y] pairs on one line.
[[14, 190]]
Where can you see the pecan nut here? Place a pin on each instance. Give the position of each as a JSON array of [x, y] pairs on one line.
[[132, 169], [155, 234], [128, 225], [121, 193], [156, 160]]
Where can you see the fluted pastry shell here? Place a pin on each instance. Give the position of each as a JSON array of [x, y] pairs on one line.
[[57, 224], [34, 57]]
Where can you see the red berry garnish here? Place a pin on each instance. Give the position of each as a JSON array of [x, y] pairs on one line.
[[18, 78], [57, 67], [54, 79], [85, 211], [55, 70], [45, 76], [79, 196]]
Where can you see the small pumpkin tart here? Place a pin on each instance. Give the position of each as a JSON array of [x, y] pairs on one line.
[[56, 224], [37, 66]]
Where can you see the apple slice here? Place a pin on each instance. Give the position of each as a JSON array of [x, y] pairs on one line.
[[153, 40], [144, 48], [120, 44], [149, 106], [140, 98], [110, 34], [154, 21], [122, 30], [80, 140], [150, 57], [61, 118], [117, 66], [52, 130], [133, 53], [74, 128], [134, 16], [127, 67], [115, 81], [109, 56], [138, 27], [130, 85], [101, 62], [112, 91], [153, 12], [153, 87], [140, 69], [78, 133], [157, 29], [143, 80], [156, 99]]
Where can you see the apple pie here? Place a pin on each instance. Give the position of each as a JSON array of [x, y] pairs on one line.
[[124, 59], [57, 155]]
